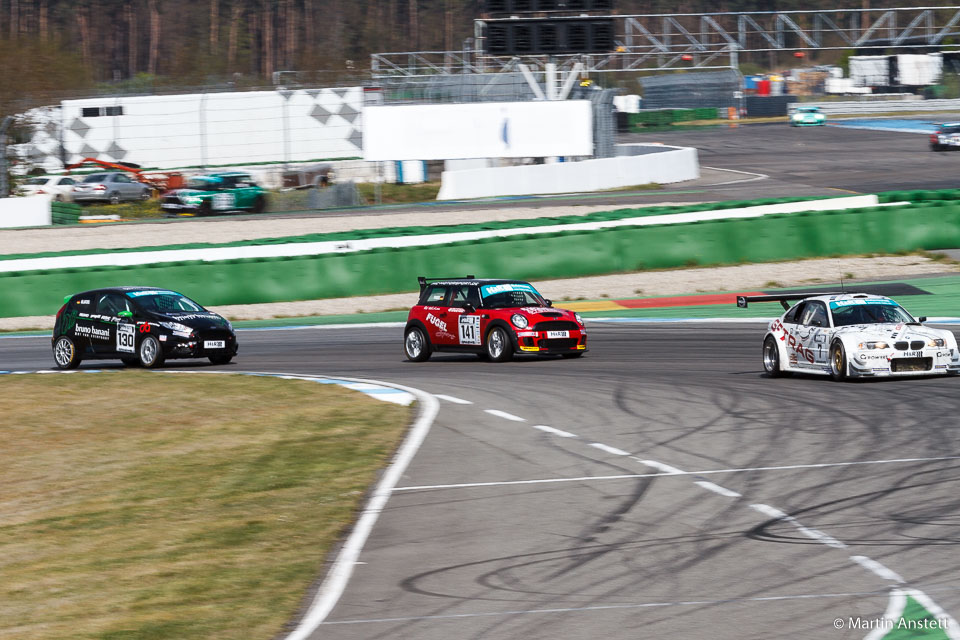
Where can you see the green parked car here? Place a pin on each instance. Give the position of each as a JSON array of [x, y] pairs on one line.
[[215, 193]]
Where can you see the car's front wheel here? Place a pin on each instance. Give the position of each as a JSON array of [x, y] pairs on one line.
[[771, 357], [259, 205], [838, 361], [151, 355], [65, 353], [498, 346], [416, 346]]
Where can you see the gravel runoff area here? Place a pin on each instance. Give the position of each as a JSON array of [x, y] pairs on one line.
[[627, 285]]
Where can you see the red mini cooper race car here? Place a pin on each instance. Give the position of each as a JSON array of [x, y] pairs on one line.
[[492, 318]]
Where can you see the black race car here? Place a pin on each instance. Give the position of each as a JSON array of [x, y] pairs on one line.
[[140, 326]]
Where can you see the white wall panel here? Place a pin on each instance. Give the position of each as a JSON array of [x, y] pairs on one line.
[[478, 130]]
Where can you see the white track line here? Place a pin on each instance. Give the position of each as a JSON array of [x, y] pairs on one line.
[[336, 581], [609, 449], [667, 469], [506, 483], [877, 568], [640, 605], [822, 465], [756, 176], [556, 432], [451, 399], [505, 415], [813, 534], [723, 491]]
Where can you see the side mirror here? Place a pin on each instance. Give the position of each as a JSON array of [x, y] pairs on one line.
[[922, 319], [549, 302], [469, 308], [125, 314]]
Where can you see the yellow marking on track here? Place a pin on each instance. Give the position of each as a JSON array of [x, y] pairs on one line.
[[595, 305]]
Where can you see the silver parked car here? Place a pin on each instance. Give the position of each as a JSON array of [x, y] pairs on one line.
[[112, 187]]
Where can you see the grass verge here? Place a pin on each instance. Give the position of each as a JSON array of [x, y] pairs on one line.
[[145, 505]]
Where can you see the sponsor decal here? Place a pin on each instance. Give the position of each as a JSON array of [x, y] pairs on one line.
[[193, 316], [526, 334], [839, 304], [469, 330], [437, 322], [163, 337], [214, 344], [538, 310], [941, 366], [95, 333], [83, 302], [558, 334], [493, 289], [144, 328]]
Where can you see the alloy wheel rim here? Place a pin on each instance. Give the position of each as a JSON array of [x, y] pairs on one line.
[[769, 357], [496, 343], [64, 352], [148, 351], [414, 345], [837, 361]]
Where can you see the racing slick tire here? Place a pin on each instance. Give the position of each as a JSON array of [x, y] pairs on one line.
[[936, 147], [130, 362], [221, 359], [498, 346], [771, 358], [416, 345], [838, 361], [259, 205], [150, 353], [65, 353]]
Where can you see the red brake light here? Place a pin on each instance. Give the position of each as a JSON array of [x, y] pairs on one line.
[[100, 187]]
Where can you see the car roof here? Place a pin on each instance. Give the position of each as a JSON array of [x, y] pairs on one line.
[[476, 281], [847, 296], [118, 290]]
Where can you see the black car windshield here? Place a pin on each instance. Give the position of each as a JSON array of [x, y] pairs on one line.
[[870, 313], [510, 295], [950, 129], [164, 301]]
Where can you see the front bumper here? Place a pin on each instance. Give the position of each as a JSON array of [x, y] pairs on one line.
[[198, 346], [552, 341], [889, 362], [179, 209]]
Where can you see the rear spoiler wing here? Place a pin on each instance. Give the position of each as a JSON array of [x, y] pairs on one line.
[[422, 280], [783, 298]]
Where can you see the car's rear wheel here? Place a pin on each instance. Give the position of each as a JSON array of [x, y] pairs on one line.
[[498, 346], [259, 205], [205, 209], [771, 357], [416, 345], [838, 361], [151, 355], [65, 353], [221, 359], [130, 362], [114, 198]]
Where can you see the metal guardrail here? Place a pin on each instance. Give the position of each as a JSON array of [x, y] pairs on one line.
[[884, 106]]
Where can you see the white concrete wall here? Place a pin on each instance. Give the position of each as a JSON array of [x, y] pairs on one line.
[[478, 130], [169, 132], [32, 211], [674, 164]]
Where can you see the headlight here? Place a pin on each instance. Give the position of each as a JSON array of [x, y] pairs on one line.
[[578, 318], [873, 345], [176, 327], [936, 342], [519, 321]]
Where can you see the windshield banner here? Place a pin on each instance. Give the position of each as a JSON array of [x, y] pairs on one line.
[[137, 294], [849, 303], [493, 289]]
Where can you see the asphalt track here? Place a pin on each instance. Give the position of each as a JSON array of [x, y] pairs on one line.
[[694, 542]]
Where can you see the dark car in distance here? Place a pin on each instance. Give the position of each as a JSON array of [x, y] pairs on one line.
[[139, 326]]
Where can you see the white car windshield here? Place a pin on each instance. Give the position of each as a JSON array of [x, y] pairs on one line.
[[869, 313]]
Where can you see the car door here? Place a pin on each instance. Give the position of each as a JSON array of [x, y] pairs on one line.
[[126, 187], [436, 310], [465, 311], [812, 333], [113, 335]]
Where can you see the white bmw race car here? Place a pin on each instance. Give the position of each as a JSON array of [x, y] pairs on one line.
[[848, 335]]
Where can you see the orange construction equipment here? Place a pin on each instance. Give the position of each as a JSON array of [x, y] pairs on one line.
[[159, 182]]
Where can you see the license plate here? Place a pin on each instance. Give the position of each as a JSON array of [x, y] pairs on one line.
[[912, 354], [214, 344], [558, 334]]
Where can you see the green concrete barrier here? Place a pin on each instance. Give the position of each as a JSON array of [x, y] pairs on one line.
[[927, 225]]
